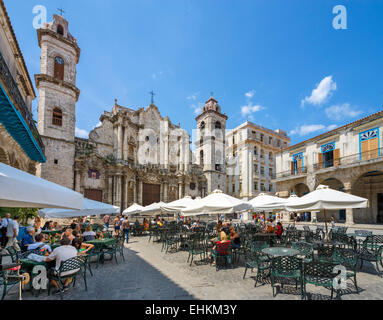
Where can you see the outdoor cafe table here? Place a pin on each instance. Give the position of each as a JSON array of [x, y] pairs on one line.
[[280, 251], [265, 237], [50, 232], [100, 244], [28, 265]]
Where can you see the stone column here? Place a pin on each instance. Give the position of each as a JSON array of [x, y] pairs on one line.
[[165, 195], [110, 194], [349, 212], [135, 192], [313, 216], [119, 189], [125, 145], [161, 192], [140, 189], [78, 181], [180, 190], [119, 142], [126, 193]]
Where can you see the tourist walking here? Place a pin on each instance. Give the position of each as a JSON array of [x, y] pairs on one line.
[[12, 233], [126, 229]]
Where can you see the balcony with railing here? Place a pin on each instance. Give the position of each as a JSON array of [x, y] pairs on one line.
[[290, 173], [16, 117]]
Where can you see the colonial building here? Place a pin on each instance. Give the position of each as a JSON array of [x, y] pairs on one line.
[[20, 143], [133, 156], [348, 158], [250, 153]]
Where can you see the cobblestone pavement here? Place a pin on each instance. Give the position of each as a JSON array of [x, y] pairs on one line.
[[148, 273]]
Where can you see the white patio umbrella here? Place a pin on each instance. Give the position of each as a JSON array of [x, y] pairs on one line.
[[20, 189], [91, 208], [324, 198], [216, 203], [133, 209], [178, 205], [265, 202], [152, 209]]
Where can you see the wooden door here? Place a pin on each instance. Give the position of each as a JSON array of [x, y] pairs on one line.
[[93, 194], [369, 149], [150, 193]]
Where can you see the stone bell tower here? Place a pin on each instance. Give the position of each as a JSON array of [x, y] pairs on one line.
[[58, 95], [210, 145]]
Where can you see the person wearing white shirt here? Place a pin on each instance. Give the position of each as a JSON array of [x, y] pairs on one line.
[[4, 225], [61, 254], [12, 233], [39, 244]]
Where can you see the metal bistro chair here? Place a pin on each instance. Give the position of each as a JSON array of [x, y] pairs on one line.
[[222, 253], [70, 268], [306, 251], [112, 250], [349, 259], [289, 267], [259, 261], [319, 274], [196, 247], [372, 249]]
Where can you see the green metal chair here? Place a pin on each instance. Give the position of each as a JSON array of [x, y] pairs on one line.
[[287, 267], [70, 268], [319, 274], [306, 250], [371, 250], [196, 247], [349, 259], [325, 253], [111, 250], [259, 261]]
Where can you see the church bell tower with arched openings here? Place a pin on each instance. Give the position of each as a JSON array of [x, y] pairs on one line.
[[58, 95], [210, 145]]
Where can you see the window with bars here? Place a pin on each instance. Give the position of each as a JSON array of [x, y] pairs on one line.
[[57, 117], [59, 68]]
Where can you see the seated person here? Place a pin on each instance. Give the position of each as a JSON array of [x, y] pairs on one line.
[[279, 229], [28, 238], [68, 233], [89, 234], [61, 254], [39, 243], [223, 239], [234, 238], [225, 228], [73, 225], [46, 225], [137, 223], [81, 246]]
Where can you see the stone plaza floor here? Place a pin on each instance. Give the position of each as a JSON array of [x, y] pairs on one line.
[[148, 273]]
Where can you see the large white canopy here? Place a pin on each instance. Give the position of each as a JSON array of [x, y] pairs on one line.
[[20, 189], [325, 198], [133, 209], [265, 202], [217, 203], [152, 209], [91, 208], [178, 205]]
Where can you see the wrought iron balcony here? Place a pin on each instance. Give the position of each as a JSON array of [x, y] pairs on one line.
[[290, 173], [14, 93]]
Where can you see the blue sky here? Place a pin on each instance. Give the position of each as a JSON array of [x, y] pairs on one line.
[[280, 64]]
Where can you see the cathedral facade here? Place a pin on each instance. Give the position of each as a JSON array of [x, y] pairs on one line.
[[133, 156]]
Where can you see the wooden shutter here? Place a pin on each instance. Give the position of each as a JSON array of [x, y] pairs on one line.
[[373, 148], [336, 157], [320, 160], [292, 167], [299, 166], [364, 147], [58, 70]]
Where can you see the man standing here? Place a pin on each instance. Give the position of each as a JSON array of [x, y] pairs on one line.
[[12, 233], [106, 222], [4, 226]]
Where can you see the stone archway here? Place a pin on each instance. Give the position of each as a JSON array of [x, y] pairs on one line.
[[300, 189], [369, 185], [333, 183]]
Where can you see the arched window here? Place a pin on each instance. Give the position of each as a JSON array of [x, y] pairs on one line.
[[255, 151], [270, 156], [202, 125], [218, 125], [93, 174], [59, 68], [60, 29], [57, 117]]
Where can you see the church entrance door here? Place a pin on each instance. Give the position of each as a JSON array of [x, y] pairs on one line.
[[150, 193], [93, 194]]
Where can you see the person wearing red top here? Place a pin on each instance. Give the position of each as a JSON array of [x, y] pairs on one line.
[[279, 229]]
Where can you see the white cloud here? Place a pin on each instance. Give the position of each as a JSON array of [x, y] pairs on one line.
[[341, 111], [81, 133], [321, 93], [197, 108], [193, 96], [249, 109], [310, 128], [250, 94], [99, 124]]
